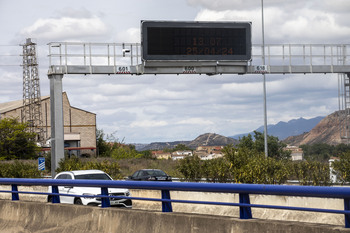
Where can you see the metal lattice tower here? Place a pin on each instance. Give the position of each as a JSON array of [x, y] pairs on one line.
[[32, 111]]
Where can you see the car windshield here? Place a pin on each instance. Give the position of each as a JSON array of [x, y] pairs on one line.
[[156, 173], [92, 177]]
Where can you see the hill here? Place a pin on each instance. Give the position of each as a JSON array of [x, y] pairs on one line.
[[208, 139], [283, 130], [326, 131], [212, 139]]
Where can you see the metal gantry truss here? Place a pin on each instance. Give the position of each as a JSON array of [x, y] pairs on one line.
[[32, 111], [125, 58], [344, 106], [344, 98]]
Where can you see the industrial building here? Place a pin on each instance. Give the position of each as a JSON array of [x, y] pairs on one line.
[[79, 125]]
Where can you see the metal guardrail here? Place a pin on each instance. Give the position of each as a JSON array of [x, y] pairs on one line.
[[93, 54], [244, 190], [302, 54]]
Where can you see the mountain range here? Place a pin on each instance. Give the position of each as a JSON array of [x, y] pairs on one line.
[[207, 139], [294, 132], [283, 130], [328, 130]]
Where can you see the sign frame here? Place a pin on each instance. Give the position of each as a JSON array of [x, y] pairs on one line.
[[147, 43]]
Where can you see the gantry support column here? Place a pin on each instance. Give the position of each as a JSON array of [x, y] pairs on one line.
[[57, 131]]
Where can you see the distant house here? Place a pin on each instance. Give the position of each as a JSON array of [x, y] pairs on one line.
[[211, 156], [209, 149], [183, 152], [159, 154], [209, 152], [296, 152], [176, 155], [79, 125]]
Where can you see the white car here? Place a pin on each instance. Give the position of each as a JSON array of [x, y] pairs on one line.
[[89, 175]]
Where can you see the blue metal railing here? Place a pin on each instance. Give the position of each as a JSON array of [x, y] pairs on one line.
[[244, 190]]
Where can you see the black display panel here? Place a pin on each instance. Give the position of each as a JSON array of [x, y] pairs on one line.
[[196, 41]]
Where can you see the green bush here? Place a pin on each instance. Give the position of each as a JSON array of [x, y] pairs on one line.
[[248, 165], [15, 140], [74, 163], [20, 169], [191, 168], [311, 172], [124, 152], [216, 170], [342, 168]]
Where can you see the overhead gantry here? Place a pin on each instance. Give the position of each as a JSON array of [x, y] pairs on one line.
[[195, 48]]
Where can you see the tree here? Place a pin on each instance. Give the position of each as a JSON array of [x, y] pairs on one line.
[[181, 147], [323, 151], [217, 170], [342, 167], [311, 172], [247, 165], [15, 141], [275, 147], [113, 148], [191, 168], [103, 148], [121, 151], [146, 154]]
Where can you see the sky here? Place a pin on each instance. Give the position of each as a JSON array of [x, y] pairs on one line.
[[161, 108]]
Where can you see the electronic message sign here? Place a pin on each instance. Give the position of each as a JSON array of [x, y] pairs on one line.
[[220, 41]]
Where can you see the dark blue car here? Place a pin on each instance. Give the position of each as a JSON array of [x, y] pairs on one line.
[[150, 175]]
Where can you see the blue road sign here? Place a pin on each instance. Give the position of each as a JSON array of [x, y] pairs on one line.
[[41, 164]]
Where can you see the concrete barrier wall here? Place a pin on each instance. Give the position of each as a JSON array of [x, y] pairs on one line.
[[272, 214], [229, 211], [25, 216]]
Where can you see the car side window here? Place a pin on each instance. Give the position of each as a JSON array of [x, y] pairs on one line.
[[62, 176], [136, 174], [65, 177], [144, 173]]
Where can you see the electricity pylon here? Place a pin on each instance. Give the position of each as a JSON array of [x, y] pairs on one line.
[[32, 111]]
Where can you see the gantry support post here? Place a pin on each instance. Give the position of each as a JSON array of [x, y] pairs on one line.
[[57, 131]]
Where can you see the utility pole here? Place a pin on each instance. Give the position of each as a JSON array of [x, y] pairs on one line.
[[264, 81]]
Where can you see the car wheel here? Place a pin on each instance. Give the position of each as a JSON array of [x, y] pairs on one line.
[[78, 201]]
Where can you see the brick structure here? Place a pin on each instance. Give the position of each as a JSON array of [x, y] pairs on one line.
[[79, 125]]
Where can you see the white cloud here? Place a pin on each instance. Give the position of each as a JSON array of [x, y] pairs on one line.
[[304, 25], [99, 98], [224, 4], [131, 35], [242, 89], [195, 121], [148, 124], [66, 28], [74, 13]]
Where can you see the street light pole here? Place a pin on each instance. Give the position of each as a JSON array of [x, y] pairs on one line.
[[264, 78]]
